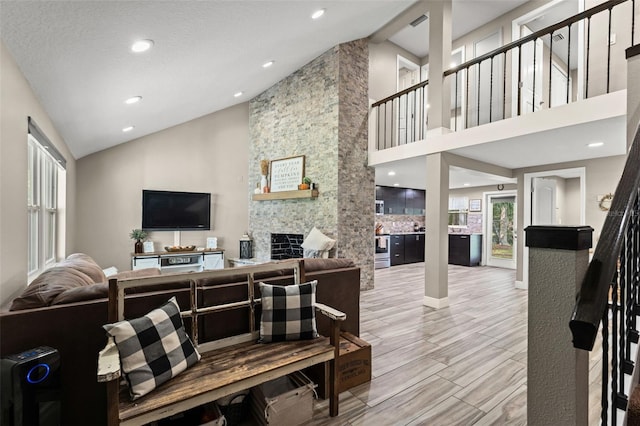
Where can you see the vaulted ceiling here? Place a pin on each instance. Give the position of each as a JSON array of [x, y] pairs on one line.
[[76, 55]]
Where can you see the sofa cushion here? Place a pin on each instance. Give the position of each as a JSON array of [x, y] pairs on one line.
[[81, 294], [84, 263], [317, 245], [48, 285], [312, 265], [153, 348], [288, 312]]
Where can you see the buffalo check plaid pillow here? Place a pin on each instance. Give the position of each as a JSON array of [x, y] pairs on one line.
[[153, 348], [288, 312]]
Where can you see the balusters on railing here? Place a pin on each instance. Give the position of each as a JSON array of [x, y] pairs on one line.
[[616, 256], [609, 51], [588, 57], [504, 86], [613, 308], [396, 130], [633, 22], [604, 390]]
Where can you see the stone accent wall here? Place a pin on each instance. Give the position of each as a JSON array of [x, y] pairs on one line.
[[320, 111]]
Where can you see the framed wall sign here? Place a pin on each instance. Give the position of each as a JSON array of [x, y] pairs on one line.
[[475, 205], [148, 247], [287, 173]]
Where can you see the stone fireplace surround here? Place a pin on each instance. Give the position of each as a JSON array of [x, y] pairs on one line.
[[286, 246]]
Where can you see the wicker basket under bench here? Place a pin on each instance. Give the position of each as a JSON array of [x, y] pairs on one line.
[[228, 365]]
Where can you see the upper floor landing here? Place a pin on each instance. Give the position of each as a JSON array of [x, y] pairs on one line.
[[544, 77]]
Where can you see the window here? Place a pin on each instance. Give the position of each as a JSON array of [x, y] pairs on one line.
[[45, 200]]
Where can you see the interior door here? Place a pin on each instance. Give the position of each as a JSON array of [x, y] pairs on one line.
[[408, 75], [500, 242], [531, 77], [559, 90], [543, 201]]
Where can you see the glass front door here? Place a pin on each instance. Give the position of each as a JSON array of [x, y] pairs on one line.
[[501, 231]]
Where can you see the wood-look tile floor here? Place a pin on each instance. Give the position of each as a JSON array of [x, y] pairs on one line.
[[461, 365]]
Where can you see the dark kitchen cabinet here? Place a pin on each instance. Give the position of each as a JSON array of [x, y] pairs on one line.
[[465, 250], [414, 201], [394, 200], [413, 248], [401, 200], [397, 249]]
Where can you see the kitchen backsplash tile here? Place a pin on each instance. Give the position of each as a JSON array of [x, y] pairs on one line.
[[394, 224]]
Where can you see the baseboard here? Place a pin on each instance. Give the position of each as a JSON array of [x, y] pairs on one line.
[[521, 285], [435, 303]]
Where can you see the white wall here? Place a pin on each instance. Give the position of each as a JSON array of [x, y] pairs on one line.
[[602, 176], [17, 103], [208, 154], [383, 68]]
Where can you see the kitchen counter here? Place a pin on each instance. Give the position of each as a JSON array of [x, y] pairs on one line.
[[407, 233]]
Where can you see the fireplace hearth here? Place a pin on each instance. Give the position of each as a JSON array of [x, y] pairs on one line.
[[286, 246]]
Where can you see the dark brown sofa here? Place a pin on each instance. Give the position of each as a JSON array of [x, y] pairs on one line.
[[74, 327]]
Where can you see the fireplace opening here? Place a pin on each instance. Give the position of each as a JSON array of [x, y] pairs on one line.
[[286, 246]]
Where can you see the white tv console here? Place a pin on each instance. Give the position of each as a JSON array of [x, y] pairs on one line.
[[184, 261]]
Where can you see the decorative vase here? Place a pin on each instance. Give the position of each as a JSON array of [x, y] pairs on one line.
[[264, 184], [138, 247]]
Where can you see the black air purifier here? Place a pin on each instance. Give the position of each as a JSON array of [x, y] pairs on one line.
[[31, 388]]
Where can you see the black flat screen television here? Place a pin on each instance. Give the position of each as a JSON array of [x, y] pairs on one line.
[[173, 211]]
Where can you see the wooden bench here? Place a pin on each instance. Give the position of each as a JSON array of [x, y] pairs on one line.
[[228, 365]]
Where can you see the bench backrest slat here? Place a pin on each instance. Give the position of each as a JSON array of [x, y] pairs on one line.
[[117, 292]]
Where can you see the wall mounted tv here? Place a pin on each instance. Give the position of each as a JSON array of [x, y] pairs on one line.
[[175, 211]]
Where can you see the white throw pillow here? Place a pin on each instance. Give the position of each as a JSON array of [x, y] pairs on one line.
[[316, 240]]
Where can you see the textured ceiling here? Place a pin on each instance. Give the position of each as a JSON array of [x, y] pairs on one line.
[[75, 55]]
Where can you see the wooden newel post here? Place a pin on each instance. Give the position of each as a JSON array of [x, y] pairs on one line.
[[557, 374]]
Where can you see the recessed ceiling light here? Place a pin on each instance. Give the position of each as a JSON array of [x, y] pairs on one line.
[[133, 100], [237, 94], [396, 184], [317, 14], [595, 144], [466, 184], [391, 173], [127, 129], [268, 64], [141, 46]]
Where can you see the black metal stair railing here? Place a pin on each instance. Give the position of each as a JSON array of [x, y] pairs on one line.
[[608, 298], [496, 105], [476, 99], [402, 117]]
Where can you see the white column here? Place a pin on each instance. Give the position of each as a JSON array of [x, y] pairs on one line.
[[439, 93], [436, 252]]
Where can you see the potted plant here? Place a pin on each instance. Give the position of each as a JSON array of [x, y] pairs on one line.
[[306, 182], [138, 235]]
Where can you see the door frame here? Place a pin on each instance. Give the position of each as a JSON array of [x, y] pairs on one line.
[[402, 62], [580, 172], [486, 246], [530, 16]]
